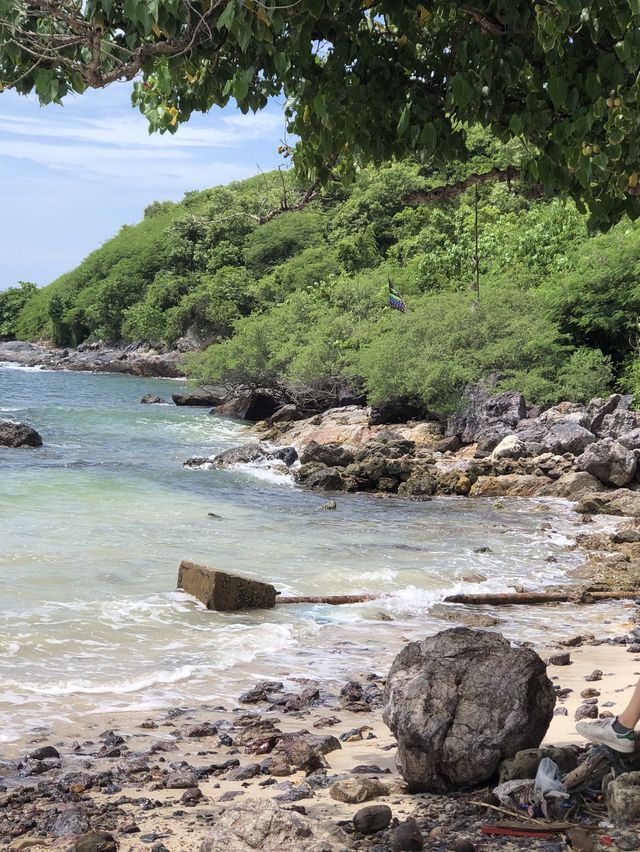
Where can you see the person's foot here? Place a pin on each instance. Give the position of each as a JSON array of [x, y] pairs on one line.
[[602, 731]]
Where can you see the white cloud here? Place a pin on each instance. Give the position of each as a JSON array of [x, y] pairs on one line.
[[73, 175]]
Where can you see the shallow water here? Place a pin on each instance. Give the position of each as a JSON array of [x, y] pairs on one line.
[[94, 524]]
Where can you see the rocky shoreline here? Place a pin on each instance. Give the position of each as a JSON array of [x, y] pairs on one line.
[[134, 359], [286, 769]]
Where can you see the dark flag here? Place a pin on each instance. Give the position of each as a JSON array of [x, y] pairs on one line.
[[395, 299]]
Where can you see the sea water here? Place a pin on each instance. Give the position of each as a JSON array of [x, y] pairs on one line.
[[94, 524]]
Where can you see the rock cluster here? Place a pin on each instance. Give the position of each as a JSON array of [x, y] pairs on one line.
[[138, 359], [494, 447]]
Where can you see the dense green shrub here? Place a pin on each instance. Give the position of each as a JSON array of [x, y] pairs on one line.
[[12, 301]]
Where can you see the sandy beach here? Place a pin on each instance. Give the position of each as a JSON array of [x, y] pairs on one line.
[[140, 808]]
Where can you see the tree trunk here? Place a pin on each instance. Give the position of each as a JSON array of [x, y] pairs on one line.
[[326, 599], [539, 598]]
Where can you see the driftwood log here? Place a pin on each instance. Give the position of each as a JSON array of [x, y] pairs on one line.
[[511, 599], [326, 599]]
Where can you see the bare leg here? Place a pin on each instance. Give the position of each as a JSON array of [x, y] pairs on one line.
[[630, 716]]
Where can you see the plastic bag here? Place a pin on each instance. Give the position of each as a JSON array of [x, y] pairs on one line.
[[548, 784]]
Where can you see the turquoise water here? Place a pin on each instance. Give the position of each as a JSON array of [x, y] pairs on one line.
[[94, 524]]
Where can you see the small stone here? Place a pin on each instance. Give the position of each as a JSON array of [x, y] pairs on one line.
[[407, 837], [586, 711], [43, 753], [329, 505], [352, 791], [596, 674], [560, 660], [623, 798], [191, 796], [590, 692], [95, 841], [371, 819], [626, 840], [561, 711], [70, 822], [463, 846]]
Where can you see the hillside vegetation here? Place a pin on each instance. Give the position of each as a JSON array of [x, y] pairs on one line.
[[302, 298]]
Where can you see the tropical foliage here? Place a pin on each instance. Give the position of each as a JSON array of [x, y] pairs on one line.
[[302, 297], [367, 81]]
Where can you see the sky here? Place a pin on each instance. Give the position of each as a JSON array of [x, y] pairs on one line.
[[73, 174]]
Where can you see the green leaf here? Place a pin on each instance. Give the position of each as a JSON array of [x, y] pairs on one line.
[[403, 121], [227, 17], [557, 89], [462, 91]]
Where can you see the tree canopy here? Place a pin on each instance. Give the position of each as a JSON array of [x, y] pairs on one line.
[[367, 81]]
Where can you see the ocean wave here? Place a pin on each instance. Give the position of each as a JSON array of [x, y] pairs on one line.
[[266, 471]]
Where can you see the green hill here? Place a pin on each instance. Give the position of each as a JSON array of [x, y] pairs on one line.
[[302, 298]]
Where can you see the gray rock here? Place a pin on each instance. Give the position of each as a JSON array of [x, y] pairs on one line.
[[630, 440], [372, 819], [317, 475], [352, 791], [565, 412], [574, 485], [74, 821], [151, 399], [407, 837], [181, 779], [623, 798], [333, 455], [259, 824], [525, 763], [597, 409], [609, 461], [198, 398], [95, 841], [18, 435], [568, 437], [620, 422], [250, 404], [481, 410], [510, 447], [620, 502], [461, 702]]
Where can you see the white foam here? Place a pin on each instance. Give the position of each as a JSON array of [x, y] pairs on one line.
[[266, 471]]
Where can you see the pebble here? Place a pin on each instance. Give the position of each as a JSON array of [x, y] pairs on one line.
[[372, 819], [596, 674], [560, 660], [407, 837]]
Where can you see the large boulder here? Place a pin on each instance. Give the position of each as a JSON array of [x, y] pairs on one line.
[[248, 453], [461, 702], [565, 412], [18, 435], [509, 485], [568, 436], [510, 447], [609, 461], [254, 405], [573, 486], [623, 501], [263, 825], [324, 478], [399, 411], [198, 398], [480, 411], [333, 455], [224, 592]]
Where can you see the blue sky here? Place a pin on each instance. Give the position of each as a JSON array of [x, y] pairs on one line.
[[72, 175]]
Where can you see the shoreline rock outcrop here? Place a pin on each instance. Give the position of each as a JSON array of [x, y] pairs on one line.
[[137, 359]]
